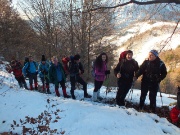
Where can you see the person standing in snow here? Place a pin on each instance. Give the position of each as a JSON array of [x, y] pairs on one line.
[[153, 71], [125, 71], [43, 69], [75, 71], [16, 68], [175, 111], [30, 71], [57, 76], [100, 70]]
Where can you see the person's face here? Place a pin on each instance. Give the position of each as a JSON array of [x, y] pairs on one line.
[[43, 62], [77, 61], [151, 57], [103, 57], [30, 58], [54, 61], [129, 56]]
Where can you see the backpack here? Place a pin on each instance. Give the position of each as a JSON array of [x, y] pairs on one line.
[[65, 62], [122, 55], [28, 67]]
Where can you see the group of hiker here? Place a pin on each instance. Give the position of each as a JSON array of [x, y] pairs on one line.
[[127, 71]]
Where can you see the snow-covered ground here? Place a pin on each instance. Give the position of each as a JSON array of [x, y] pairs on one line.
[[76, 117]]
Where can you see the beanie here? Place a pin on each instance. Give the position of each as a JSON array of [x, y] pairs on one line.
[[154, 52], [77, 57], [129, 51], [43, 58]]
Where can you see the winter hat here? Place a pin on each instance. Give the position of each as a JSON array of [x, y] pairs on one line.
[[43, 58], [13, 62], [154, 52], [77, 57], [129, 51]]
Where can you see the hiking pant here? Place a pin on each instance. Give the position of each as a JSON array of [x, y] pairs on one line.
[[77, 78], [123, 89], [62, 83], [153, 89], [32, 76], [45, 79], [21, 80], [97, 85]]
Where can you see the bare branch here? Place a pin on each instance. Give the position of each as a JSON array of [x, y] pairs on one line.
[[138, 3]]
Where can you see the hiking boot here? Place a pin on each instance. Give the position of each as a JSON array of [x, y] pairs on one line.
[[100, 98], [72, 94], [87, 96], [57, 92], [67, 96], [73, 97], [48, 91]]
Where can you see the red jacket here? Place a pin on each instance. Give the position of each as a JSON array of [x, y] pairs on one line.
[[17, 69], [174, 114]]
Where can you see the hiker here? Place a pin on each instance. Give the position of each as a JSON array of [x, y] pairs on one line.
[[43, 69], [101, 72], [16, 68], [124, 72], [65, 61], [175, 112], [57, 76], [76, 70], [30, 71], [153, 71]]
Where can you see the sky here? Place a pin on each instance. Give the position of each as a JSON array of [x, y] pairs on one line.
[[80, 116]]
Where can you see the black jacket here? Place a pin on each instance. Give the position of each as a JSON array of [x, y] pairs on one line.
[[75, 68], [127, 69], [152, 71]]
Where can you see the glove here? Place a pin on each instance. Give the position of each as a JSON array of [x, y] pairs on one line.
[[107, 72]]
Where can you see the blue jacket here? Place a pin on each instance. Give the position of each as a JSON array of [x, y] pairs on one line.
[[43, 69], [30, 67]]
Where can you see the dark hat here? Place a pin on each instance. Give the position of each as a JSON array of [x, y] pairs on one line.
[[13, 62], [155, 52], [43, 58], [77, 57], [129, 51]]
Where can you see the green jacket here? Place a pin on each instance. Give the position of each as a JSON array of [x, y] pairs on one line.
[[52, 75]]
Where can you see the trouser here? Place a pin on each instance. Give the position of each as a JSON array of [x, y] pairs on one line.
[[33, 77], [77, 78], [123, 89], [153, 89], [21, 81], [45, 80], [62, 83], [97, 85]]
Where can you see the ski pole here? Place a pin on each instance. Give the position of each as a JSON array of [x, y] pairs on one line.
[[130, 93]]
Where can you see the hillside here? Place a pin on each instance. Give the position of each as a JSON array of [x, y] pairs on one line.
[[30, 112]]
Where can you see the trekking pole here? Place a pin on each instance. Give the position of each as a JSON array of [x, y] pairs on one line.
[[107, 85], [161, 101], [130, 93]]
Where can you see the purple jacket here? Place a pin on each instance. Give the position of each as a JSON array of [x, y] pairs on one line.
[[100, 73]]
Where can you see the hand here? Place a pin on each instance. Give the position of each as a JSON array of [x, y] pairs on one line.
[[118, 75], [134, 79], [107, 72]]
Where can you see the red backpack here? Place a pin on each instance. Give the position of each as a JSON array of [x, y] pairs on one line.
[[122, 55], [65, 61]]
